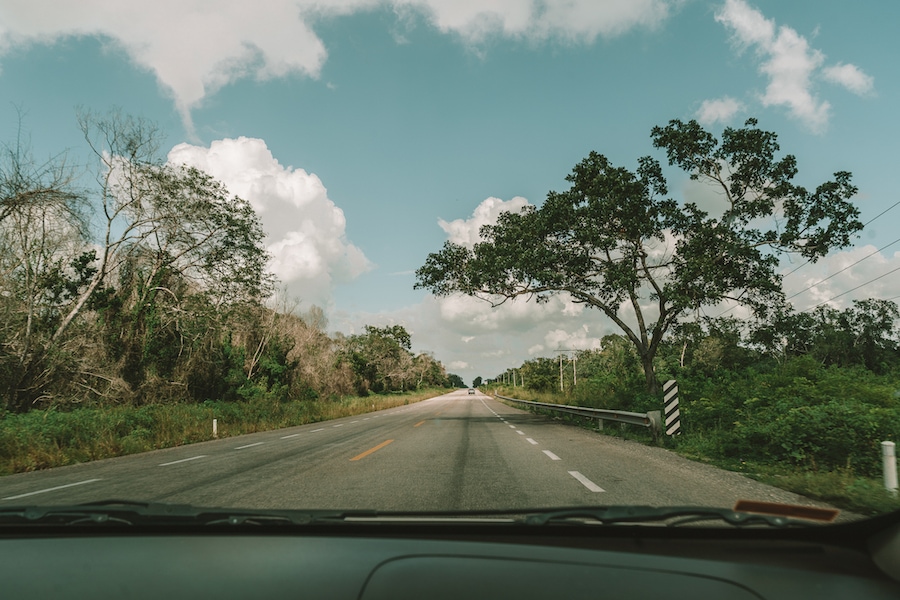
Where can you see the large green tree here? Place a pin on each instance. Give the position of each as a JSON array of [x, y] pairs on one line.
[[615, 242]]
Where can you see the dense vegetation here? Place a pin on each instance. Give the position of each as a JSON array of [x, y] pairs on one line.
[[149, 285], [811, 393]]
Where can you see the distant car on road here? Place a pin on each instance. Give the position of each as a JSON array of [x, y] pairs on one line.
[[471, 391]]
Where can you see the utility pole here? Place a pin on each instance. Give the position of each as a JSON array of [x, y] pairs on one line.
[[560, 374], [574, 361]]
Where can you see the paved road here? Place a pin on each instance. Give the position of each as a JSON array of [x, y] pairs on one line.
[[455, 451]]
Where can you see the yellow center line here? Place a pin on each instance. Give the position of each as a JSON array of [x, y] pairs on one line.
[[371, 450], [419, 423]]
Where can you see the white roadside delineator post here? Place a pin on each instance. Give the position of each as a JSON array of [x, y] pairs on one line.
[[889, 460], [215, 428]]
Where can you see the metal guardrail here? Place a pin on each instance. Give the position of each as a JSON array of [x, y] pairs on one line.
[[651, 420]]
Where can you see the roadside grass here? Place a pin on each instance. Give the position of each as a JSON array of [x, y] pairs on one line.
[[42, 439], [842, 488]]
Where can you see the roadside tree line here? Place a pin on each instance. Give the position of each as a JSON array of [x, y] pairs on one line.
[[149, 284], [818, 390]]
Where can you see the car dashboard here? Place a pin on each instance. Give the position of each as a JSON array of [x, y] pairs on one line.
[[436, 561]]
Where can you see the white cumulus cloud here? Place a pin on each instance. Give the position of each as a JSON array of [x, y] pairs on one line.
[[195, 47], [305, 229], [465, 232], [577, 339], [840, 278], [720, 110], [789, 63], [851, 77], [583, 20]]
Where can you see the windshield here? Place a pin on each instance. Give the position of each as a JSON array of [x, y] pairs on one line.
[[431, 256]]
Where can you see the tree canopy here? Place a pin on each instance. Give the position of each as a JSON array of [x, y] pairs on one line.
[[616, 242]]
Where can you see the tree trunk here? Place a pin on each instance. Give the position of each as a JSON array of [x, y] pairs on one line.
[[649, 374]]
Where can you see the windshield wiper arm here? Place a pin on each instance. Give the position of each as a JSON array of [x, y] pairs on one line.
[[127, 512]]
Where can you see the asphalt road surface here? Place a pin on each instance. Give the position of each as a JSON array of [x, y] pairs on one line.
[[453, 452]]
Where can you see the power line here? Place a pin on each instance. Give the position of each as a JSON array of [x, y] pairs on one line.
[[800, 266], [852, 290], [881, 213], [844, 269], [797, 268], [866, 224]]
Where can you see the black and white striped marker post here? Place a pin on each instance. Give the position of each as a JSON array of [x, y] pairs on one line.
[[670, 404]]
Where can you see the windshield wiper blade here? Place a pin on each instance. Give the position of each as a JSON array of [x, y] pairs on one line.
[[128, 512], [671, 516]]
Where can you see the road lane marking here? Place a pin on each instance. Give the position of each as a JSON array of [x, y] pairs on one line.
[[532, 442], [371, 450], [512, 426], [551, 455], [366, 419], [175, 462], [53, 489], [419, 423], [352, 422], [284, 437], [250, 445], [586, 482], [319, 429], [520, 432], [338, 425]]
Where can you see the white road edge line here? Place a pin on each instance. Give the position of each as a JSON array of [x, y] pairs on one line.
[[175, 462], [53, 489], [586, 482], [551, 455], [284, 437], [532, 442], [250, 445], [512, 426]]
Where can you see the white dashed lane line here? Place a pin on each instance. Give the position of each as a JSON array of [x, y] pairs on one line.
[[183, 460], [250, 445], [586, 482], [53, 489], [286, 437], [590, 485]]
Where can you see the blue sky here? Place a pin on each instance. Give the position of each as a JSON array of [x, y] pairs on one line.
[[358, 127]]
